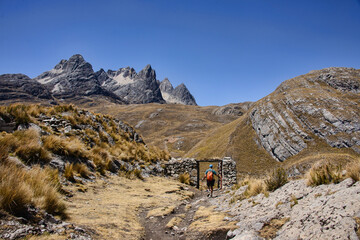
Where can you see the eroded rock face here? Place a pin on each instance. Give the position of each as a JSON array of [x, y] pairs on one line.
[[323, 103]]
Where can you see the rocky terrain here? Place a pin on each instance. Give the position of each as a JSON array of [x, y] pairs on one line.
[[296, 211], [74, 81]]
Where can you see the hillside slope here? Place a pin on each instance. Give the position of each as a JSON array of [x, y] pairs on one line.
[[174, 127], [314, 113]]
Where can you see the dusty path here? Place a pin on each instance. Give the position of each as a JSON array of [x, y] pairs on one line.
[[191, 219], [120, 208]]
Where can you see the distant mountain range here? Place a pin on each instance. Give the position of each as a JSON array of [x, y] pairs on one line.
[[75, 80]]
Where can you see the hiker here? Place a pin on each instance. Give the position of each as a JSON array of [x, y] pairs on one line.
[[210, 178]]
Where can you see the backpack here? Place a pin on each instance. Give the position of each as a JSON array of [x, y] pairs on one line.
[[209, 175]]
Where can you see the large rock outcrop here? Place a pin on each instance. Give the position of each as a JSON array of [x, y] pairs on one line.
[[323, 104]]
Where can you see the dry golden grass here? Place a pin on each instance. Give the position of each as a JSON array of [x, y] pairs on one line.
[[276, 179], [255, 187], [20, 187], [207, 220], [82, 170], [69, 172], [26, 145], [324, 173], [184, 178], [190, 123], [70, 147], [175, 221], [353, 170]]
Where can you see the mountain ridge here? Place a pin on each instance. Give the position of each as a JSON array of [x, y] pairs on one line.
[[75, 79]]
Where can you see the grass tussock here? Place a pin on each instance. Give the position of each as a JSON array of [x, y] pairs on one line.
[[255, 187], [70, 147], [69, 172], [276, 179], [25, 144], [324, 173], [20, 188], [82, 170], [353, 170], [185, 178]]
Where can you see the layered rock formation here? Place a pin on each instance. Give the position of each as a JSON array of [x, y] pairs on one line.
[[75, 79], [323, 104]]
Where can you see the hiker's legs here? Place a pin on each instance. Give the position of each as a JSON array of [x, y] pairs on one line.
[[211, 190]]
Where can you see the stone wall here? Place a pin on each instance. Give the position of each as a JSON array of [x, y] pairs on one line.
[[178, 166], [229, 172]]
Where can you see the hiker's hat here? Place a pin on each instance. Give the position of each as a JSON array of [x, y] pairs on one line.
[[210, 166]]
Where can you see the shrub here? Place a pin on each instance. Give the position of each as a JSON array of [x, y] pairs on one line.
[[353, 170], [324, 173], [276, 179], [184, 178]]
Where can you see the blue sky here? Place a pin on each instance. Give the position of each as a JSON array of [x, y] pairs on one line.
[[225, 51]]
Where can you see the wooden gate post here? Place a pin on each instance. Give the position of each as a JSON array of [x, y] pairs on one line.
[[198, 174]]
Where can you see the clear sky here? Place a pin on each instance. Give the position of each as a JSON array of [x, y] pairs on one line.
[[225, 51]]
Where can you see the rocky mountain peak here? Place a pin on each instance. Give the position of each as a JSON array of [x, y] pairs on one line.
[[75, 78], [179, 95], [166, 86], [147, 73]]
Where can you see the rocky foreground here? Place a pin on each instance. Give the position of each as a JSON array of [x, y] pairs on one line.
[[296, 211]]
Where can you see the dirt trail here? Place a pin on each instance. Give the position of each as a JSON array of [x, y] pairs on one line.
[[156, 208], [192, 220]]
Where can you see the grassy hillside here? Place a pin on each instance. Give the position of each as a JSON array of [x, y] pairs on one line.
[[47, 146], [176, 128]]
